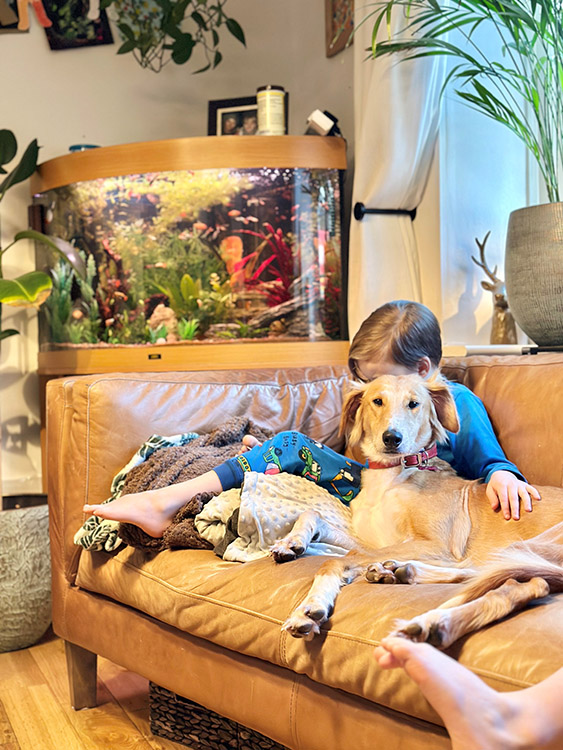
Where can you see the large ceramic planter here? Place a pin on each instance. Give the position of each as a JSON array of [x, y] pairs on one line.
[[25, 576], [534, 271]]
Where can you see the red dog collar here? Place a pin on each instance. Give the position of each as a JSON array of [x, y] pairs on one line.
[[420, 460]]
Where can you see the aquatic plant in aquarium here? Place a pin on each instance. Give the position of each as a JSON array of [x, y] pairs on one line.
[[212, 254]]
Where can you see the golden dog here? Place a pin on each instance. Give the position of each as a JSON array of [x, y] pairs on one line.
[[443, 523]]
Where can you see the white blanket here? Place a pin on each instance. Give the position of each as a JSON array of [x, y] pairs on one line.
[[269, 506]]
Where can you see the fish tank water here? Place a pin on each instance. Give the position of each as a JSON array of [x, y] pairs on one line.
[[212, 254]]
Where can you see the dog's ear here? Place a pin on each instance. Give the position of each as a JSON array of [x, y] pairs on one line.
[[444, 403], [351, 404]]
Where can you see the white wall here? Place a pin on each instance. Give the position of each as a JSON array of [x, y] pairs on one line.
[[93, 96]]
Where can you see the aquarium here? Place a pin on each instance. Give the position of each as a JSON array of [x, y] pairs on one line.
[[195, 255]]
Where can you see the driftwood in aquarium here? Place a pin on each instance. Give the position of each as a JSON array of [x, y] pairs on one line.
[[303, 294]]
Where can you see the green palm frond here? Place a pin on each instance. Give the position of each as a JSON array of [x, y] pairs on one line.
[[522, 89]]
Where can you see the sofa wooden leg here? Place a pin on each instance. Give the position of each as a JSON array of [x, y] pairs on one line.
[[82, 676]]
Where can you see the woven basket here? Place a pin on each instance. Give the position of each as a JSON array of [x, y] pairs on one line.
[[181, 720]]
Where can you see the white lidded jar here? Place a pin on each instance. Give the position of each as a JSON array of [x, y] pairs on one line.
[[271, 110]]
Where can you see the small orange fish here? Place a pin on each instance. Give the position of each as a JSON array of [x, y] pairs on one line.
[[199, 226], [234, 212]]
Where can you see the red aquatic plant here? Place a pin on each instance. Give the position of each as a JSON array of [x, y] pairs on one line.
[[279, 264]]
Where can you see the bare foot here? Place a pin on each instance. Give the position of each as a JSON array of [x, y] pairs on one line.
[[142, 509], [475, 715], [154, 510]]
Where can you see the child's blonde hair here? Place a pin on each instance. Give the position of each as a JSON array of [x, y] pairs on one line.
[[402, 331]]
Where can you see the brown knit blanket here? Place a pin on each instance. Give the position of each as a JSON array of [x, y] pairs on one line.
[[177, 464]]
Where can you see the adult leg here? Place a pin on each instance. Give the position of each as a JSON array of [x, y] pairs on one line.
[[475, 715]]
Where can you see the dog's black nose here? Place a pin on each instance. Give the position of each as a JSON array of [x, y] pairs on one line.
[[392, 438]]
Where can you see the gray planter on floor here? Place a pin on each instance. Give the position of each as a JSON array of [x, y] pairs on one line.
[[534, 271], [25, 576]]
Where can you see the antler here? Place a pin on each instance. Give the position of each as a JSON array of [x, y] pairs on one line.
[[483, 263]]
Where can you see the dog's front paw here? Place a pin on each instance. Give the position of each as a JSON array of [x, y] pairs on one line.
[[286, 549], [390, 571], [305, 621]]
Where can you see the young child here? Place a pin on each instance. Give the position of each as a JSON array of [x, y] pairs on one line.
[[398, 338], [475, 715]]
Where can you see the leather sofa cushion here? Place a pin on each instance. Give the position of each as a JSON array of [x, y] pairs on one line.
[[242, 607]]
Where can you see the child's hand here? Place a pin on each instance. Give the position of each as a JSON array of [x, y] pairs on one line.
[[505, 491]]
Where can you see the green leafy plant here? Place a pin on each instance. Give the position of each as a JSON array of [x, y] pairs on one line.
[[30, 289], [522, 90], [187, 329], [189, 299], [157, 31], [155, 334]]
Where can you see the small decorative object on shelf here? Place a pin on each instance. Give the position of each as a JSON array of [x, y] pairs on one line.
[[271, 110], [503, 330]]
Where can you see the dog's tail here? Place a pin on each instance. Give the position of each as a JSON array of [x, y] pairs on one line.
[[521, 561]]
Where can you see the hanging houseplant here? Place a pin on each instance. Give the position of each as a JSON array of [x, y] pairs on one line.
[[25, 604], [522, 90], [159, 31]]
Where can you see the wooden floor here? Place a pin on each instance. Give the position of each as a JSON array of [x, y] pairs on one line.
[[35, 711]]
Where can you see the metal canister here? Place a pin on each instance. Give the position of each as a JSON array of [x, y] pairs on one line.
[[271, 110]]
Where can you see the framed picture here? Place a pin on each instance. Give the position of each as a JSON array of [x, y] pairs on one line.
[[339, 23], [9, 17], [236, 116], [233, 116], [72, 27]]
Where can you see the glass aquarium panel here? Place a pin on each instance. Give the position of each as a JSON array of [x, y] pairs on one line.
[[210, 254]]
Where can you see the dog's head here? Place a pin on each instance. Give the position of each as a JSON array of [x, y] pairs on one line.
[[398, 415]]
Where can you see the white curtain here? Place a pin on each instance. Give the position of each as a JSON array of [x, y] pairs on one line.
[[397, 111]]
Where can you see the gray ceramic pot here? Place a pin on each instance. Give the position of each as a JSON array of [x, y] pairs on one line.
[[25, 576], [534, 271]]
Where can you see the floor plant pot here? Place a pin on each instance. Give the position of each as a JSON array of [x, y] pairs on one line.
[[534, 271], [25, 574]]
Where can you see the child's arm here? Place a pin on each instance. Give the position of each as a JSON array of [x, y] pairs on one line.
[[476, 453]]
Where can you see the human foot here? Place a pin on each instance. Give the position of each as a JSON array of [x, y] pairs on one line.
[[475, 715], [154, 510], [142, 509]]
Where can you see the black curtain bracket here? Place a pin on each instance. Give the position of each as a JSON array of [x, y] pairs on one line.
[[360, 211]]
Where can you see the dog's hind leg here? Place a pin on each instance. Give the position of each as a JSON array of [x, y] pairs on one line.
[[443, 626], [316, 608], [414, 571]]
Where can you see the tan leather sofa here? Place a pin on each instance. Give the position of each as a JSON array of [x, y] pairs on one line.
[[208, 629]]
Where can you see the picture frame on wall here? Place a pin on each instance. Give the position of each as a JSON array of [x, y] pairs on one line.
[[339, 24], [233, 116], [71, 26]]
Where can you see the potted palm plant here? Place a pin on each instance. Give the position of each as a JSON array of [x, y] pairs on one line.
[[523, 90], [25, 610]]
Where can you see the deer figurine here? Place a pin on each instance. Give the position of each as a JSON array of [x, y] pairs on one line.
[[503, 330]]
